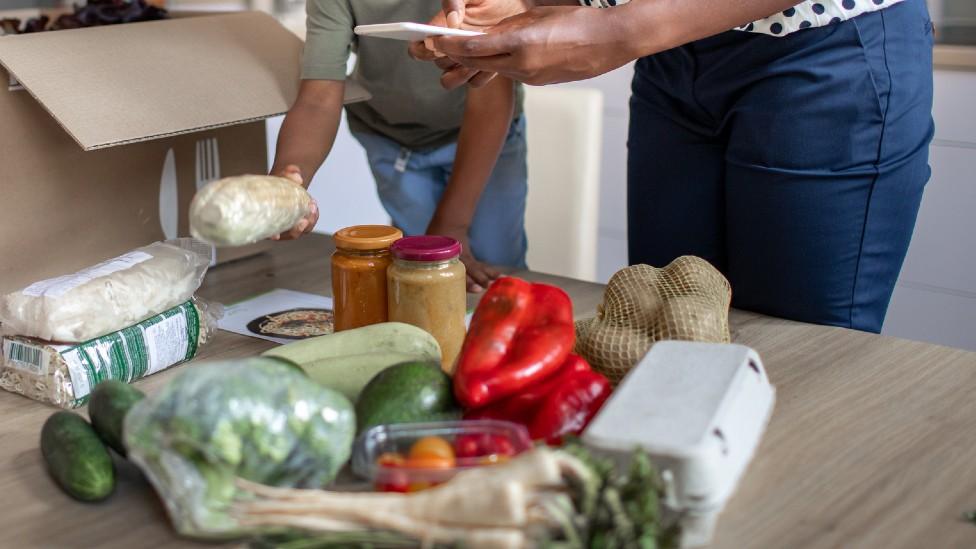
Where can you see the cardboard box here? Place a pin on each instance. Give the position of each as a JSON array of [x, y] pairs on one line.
[[95, 120]]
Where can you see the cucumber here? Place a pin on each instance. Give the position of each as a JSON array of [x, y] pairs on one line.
[[387, 337], [109, 403], [406, 393], [76, 457]]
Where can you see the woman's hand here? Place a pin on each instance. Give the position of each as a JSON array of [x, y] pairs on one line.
[[544, 45], [307, 223]]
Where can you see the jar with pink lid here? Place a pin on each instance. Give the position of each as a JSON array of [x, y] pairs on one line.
[[427, 288]]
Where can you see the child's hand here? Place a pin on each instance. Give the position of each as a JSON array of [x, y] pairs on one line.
[[480, 275], [307, 223]]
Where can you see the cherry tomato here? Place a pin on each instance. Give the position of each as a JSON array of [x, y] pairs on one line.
[[486, 444], [390, 459], [503, 446], [466, 446], [392, 480], [432, 447], [418, 486]]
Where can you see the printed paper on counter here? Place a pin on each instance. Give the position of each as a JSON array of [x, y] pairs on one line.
[[282, 316]]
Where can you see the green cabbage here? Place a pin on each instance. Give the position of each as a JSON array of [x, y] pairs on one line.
[[258, 419]]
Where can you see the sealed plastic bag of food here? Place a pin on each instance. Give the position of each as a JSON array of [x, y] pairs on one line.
[[64, 375], [257, 419], [688, 300], [110, 296], [240, 210]]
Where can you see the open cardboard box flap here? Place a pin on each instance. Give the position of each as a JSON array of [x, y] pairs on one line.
[[152, 98], [122, 84]]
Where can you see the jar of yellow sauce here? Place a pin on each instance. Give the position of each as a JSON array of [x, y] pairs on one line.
[[359, 267], [427, 288]]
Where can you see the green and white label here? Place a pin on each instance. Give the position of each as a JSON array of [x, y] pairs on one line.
[[135, 352]]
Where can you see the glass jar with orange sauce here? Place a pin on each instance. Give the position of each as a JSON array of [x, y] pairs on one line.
[[359, 267]]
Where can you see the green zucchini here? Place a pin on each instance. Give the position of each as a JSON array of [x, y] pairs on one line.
[[109, 403], [347, 360], [76, 458]]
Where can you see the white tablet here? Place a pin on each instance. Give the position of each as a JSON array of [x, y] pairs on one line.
[[410, 31]]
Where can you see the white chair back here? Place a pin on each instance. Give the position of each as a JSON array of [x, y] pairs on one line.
[[564, 144]]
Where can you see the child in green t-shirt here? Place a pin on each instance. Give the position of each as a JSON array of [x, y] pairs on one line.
[[445, 162]]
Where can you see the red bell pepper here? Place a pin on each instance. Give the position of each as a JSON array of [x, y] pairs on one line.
[[561, 405], [520, 334]]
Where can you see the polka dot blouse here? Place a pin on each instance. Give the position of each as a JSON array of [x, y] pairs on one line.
[[806, 14]]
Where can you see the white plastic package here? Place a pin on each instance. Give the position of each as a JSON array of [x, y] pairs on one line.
[[107, 297], [699, 410], [241, 210]]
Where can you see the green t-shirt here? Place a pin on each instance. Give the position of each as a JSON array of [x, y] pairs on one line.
[[409, 105]]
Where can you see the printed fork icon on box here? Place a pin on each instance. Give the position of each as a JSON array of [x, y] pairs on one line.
[[206, 169]]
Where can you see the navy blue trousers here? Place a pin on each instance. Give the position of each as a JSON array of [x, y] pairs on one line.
[[795, 165]]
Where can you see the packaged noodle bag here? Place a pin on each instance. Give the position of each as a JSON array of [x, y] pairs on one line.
[[109, 296], [65, 374]]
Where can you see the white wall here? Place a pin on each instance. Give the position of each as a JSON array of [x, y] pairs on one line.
[[935, 298]]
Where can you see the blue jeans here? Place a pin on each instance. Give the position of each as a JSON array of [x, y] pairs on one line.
[[410, 185], [795, 165]]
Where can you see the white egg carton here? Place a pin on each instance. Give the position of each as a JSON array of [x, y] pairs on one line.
[[699, 410]]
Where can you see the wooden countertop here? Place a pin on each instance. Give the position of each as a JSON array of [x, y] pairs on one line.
[[871, 443]]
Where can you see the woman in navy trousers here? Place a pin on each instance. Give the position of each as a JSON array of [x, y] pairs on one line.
[[790, 150]]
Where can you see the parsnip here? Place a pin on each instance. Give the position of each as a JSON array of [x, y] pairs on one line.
[[490, 507], [235, 211]]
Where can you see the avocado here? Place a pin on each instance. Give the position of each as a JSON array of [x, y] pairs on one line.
[[410, 392]]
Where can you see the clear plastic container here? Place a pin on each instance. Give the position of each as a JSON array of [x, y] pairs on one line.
[[474, 443]]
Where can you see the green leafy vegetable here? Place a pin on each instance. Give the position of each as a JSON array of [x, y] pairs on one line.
[[256, 419]]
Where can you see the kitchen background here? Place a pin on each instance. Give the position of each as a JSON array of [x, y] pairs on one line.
[[935, 298]]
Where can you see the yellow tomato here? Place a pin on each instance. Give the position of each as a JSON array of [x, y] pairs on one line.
[[429, 463], [432, 448]]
